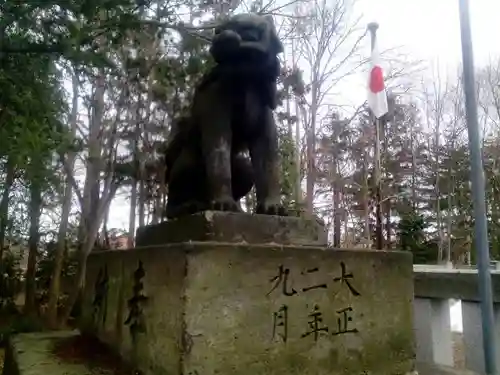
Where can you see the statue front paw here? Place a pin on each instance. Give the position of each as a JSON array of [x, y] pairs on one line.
[[275, 209], [184, 209], [225, 204]]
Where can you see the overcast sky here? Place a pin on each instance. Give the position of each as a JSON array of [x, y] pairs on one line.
[[426, 29], [430, 28]]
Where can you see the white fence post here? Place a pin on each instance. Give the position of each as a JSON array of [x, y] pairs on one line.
[[433, 331]]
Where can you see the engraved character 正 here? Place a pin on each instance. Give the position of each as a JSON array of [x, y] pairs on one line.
[[343, 322]]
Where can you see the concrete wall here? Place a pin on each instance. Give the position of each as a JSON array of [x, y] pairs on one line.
[[444, 283], [434, 288]]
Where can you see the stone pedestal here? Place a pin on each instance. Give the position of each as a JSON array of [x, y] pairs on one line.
[[234, 227], [206, 308]]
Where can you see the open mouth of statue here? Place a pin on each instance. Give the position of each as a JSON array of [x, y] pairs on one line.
[[251, 53], [250, 35]]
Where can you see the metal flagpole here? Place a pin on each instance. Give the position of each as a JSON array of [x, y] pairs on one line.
[[478, 194], [372, 28]]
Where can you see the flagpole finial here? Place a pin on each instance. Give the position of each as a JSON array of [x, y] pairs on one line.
[[372, 27]]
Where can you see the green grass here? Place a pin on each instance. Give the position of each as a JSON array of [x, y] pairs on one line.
[[13, 323], [2, 356]]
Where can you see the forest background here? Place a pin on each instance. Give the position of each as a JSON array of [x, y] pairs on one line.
[[90, 89]]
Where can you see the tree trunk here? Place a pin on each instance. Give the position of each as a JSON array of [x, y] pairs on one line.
[[83, 251], [133, 207], [79, 282], [4, 204], [345, 218], [93, 204], [449, 229], [311, 152], [337, 217], [336, 206], [158, 203], [437, 110], [450, 214], [55, 281], [438, 201], [34, 236], [413, 170], [298, 177], [105, 230], [298, 161], [142, 197]]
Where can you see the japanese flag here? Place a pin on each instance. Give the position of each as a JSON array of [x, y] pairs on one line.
[[377, 96]]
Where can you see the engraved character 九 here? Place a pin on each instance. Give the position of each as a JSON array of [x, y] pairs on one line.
[[283, 278]]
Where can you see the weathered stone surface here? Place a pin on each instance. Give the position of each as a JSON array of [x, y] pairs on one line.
[[234, 227], [211, 309]]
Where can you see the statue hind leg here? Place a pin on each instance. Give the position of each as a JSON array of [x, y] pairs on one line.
[[213, 114], [184, 200], [242, 175], [186, 193], [265, 161]]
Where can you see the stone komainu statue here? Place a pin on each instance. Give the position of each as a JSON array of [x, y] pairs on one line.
[[229, 141]]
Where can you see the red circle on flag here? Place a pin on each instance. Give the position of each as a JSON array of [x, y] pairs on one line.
[[376, 80]]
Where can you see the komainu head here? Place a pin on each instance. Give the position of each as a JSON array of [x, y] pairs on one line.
[[246, 38]]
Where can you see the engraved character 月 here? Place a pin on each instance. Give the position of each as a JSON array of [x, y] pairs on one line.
[[280, 323]]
